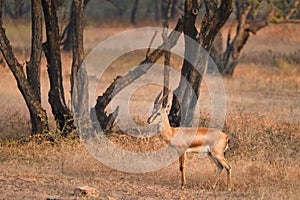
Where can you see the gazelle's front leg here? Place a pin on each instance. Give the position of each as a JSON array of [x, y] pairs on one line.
[[181, 163]]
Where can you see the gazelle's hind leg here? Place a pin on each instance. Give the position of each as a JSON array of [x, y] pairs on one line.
[[221, 160], [218, 171], [182, 170]]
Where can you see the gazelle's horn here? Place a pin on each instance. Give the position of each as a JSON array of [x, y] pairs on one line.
[[161, 100], [157, 98]]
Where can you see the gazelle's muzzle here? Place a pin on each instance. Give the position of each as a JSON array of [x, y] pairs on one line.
[[149, 120]]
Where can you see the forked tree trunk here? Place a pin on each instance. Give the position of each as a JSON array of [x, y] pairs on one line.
[[79, 80], [235, 45], [51, 47], [68, 31], [184, 102], [107, 120], [246, 24], [33, 67], [28, 89], [19, 8]]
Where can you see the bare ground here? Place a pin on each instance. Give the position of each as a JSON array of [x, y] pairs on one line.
[[41, 171]]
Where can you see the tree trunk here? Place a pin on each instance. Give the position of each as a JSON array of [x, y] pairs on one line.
[[33, 67], [133, 12], [29, 94], [183, 93], [68, 31], [165, 9], [79, 84], [167, 55], [247, 24], [216, 53], [51, 48], [187, 93], [18, 8], [7, 10], [157, 10]]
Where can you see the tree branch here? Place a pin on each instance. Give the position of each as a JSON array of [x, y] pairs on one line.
[[121, 82], [25, 88], [167, 55], [285, 21], [211, 27]]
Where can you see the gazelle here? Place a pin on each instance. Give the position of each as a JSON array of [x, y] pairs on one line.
[[199, 140]]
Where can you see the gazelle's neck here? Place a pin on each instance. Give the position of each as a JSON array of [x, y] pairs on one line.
[[167, 131]]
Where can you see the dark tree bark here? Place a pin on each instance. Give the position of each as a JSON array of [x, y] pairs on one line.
[[246, 24], [51, 48], [286, 11], [7, 10], [68, 31], [33, 67], [77, 39], [167, 55], [19, 8], [183, 91], [133, 12], [26, 87], [212, 22], [216, 53], [79, 81], [121, 82], [250, 19], [165, 9]]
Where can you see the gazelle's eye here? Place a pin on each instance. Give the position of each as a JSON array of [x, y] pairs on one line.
[[158, 114]]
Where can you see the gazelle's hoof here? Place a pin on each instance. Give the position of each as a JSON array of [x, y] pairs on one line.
[[229, 187], [182, 187], [214, 187]]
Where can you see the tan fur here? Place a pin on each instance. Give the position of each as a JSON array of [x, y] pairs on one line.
[[200, 140]]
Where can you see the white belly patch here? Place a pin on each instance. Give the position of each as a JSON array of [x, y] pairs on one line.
[[201, 149]]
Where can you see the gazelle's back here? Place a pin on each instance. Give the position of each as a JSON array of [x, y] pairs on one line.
[[198, 139]]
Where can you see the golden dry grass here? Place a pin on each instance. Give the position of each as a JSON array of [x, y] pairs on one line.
[[262, 120]]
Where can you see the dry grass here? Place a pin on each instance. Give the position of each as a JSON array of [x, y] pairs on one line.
[[263, 122], [265, 165]]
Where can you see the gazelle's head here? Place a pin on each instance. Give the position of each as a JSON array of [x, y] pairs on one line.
[[156, 117], [159, 113]]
